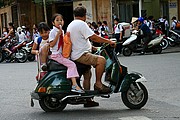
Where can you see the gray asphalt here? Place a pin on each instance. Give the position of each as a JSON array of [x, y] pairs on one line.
[[162, 72]]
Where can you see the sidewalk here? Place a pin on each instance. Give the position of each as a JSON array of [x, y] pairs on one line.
[[172, 49]]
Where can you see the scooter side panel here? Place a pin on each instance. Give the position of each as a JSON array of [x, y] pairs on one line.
[[155, 41], [130, 39], [55, 82]]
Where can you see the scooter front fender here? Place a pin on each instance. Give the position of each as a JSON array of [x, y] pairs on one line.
[[53, 83], [129, 78]]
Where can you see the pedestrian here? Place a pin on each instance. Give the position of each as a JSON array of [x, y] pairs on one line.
[[99, 26], [96, 31], [28, 34], [174, 21], [5, 32], [166, 24], [150, 24], [21, 35], [56, 42], [104, 23], [35, 32], [118, 35]]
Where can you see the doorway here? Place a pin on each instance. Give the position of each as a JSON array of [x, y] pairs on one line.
[[66, 10]]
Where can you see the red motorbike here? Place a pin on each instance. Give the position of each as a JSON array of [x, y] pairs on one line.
[[18, 54]]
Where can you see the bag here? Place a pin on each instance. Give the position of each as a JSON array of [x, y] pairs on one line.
[[178, 25], [67, 45], [39, 42], [123, 31]]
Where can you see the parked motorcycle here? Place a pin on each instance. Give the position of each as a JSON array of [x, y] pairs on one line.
[[18, 54], [174, 38], [54, 90], [165, 41], [28, 48], [133, 44]]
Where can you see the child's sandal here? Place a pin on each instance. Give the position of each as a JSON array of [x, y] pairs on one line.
[[73, 89]]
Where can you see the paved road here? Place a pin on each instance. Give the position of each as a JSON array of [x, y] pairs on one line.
[[162, 72]]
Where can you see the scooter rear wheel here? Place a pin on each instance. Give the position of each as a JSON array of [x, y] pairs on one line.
[[135, 98], [164, 43], [51, 104]]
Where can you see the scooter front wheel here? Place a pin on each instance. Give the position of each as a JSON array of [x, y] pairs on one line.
[[51, 104], [136, 96], [157, 50], [126, 51]]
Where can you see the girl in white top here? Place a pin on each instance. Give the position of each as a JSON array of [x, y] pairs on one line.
[[41, 45], [56, 43]]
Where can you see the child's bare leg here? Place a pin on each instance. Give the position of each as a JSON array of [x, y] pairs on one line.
[[44, 53], [43, 56], [6, 49]]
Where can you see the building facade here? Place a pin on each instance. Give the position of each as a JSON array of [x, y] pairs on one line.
[[29, 12]]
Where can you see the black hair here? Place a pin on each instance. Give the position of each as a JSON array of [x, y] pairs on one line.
[[165, 17], [11, 24], [79, 11], [43, 26], [116, 19], [150, 17], [99, 23], [105, 22], [54, 16], [173, 18]]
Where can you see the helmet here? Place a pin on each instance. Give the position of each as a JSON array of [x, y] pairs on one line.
[[141, 19], [19, 29]]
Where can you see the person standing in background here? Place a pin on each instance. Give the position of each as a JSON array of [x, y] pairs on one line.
[[118, 35]]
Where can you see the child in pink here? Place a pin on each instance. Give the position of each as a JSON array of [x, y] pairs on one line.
[[56, 42]]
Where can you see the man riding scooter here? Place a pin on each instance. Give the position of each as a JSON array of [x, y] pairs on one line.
[[147, 36], [81, 49]]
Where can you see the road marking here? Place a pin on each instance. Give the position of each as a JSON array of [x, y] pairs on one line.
[[135, 118]]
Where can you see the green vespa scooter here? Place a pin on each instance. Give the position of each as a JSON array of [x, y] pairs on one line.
[[53, 91]]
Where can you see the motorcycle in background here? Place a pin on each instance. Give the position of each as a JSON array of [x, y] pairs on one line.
[[53, 91], [18, 54], [165, 41], [174, 37], [133, 44], [28, 48]]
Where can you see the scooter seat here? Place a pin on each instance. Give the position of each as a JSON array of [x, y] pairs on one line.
[[53, 65]]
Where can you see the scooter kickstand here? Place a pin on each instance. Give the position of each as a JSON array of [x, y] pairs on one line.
[[32, 103]]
